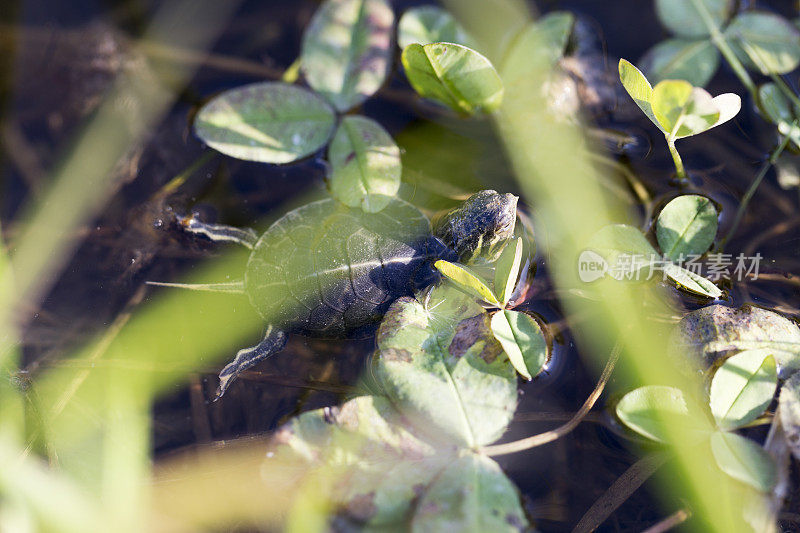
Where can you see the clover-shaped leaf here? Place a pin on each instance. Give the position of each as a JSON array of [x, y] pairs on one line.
[[366, 166], [744, 460], [775, 104], [766, 41], [522, 340], [467, 280], [742, 388], [507, 270], [430, 24], [347, 50], [454, 75], [647, 410], [267, 122], [691, 281], [449, 377], [693, 60], [717, 331], [471, 494], [683, 18], [675, 106], [687, 225]]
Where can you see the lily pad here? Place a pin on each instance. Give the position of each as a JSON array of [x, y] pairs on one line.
[[454, 383], [347, 50], [743, 388], [385, 461], [716, 331], [789, 409], [744, 460], [765, 41], [522, 340], [366, 166], [682, 17], [267, 122], [647, 409], [454, 75], [466, 280], [693, 60], [686, 226], [431, 24], [692, 282], [472, 494], [507, 270]]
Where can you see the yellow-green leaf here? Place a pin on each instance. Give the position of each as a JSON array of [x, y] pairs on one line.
[[466, 280]]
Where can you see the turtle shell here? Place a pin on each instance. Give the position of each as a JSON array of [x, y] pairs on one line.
[[325, 269]]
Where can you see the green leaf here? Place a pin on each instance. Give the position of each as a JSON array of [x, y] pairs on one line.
[[765, 41], [386, 460], [647, 410], [639, 89], [775, 104], [743, 388], [454, 75], [744, 460], [507, 270], [268, 122], [683, 110], [618, 245], [789, 410], [695, 61], [716, 331], [522, 340], [471, 494], [682, 18], [686, 226], [365, 163], [692, 282], [430, 24], [446, 374], [466, 280], [347, 50]]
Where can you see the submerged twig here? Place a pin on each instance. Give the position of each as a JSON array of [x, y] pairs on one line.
[[675, 519], [550, 436]]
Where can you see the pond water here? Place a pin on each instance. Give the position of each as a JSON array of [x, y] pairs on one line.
[[61, 57]]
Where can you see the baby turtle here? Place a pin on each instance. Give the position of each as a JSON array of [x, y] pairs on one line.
[[327, 270]]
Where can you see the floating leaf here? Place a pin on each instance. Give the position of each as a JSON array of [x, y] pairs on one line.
[[639, 89], [686, 226], [692, 282], [789, 409], [430, 24], [647, 410], [386, 461], [454, 75], [471, 494], [365, 163], [695, 61], [347, 50], [466, 280], [507, 269], [625, 249], [765, 41], [744, 460], [742, 388], [268, 122], [681, 17], [717, 331], [522, 340], [453, 382], [775, 104]]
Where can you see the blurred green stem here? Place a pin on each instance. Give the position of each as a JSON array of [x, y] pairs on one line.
[[676, 157]]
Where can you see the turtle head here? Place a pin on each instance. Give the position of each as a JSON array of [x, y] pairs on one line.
[[479, 228]]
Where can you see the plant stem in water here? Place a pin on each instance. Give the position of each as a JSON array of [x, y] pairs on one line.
[[676, 157]]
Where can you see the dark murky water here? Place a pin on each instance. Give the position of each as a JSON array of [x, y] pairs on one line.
[[67, 53]]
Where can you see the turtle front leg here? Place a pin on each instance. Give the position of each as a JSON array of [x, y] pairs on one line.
[[218, 232], [274, 341]]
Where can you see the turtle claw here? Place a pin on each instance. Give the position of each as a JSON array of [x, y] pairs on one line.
[[273, 342]]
